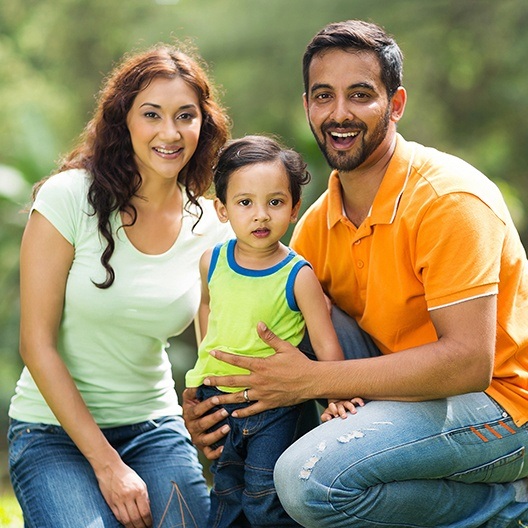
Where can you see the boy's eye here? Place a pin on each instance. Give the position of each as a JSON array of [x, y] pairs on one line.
[[275, 202], [245, 202]]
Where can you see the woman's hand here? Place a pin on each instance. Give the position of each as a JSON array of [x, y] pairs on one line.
[[126, 494], [275, 381], [198, 423]]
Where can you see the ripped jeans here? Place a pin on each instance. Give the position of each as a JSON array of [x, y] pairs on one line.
[[445, 463], [56, 487]]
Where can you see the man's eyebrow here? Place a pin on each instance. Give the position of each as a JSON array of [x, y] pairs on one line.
[[325, 86], [319, 86]]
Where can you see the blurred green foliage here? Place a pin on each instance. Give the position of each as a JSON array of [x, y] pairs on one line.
[[465, 72]]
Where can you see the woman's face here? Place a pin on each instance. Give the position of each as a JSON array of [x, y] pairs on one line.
[[164, 124]]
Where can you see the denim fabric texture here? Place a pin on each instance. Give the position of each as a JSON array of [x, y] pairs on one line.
[[445, 463], [44, 462], [243, 494]]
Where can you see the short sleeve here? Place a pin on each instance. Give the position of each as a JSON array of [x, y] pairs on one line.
[[62, 200], [459, 249]]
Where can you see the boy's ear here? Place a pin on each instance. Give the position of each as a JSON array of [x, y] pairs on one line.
[[221, 210], [295, 212]]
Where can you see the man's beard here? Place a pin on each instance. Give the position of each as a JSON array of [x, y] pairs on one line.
[[345, 161]]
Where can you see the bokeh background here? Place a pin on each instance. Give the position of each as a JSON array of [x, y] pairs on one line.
[[465, 71]]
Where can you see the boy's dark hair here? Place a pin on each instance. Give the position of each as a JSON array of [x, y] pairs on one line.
[[357, 35], [259, 149]]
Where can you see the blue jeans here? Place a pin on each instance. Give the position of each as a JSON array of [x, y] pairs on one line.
[[445, 463], [243, 494], [56, 487]]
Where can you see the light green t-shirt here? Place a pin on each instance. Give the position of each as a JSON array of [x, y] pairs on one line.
[[239, 299], [114, 340]]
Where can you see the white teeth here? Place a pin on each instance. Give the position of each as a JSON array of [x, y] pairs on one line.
[[165, 151], [344, 134]]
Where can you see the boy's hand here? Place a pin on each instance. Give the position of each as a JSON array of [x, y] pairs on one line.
[[340, 407]]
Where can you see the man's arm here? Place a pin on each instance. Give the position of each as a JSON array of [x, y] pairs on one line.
[[460, 361]]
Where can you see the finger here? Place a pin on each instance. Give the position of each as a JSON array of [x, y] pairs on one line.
[[206, 440], [134, 519], [342, 410], [189, 395], [233, 359], [194, 409], [250, 410], [144, 512], [241, 380], [268, 336], [213, 454], [326, 417]]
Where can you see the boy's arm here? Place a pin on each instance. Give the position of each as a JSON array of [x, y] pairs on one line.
[[316, 312], [203, 309]]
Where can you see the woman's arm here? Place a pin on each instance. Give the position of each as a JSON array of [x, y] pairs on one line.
[[45, 260]]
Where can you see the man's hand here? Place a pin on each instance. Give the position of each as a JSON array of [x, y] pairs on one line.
[[275, 381], [198, 422]]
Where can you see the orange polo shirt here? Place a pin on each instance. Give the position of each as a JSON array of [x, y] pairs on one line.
[[438, 233]]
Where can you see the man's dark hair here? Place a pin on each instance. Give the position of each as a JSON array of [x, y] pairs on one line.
[[357, 35]]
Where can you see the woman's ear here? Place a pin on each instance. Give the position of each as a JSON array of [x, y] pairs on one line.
[[221, 211]]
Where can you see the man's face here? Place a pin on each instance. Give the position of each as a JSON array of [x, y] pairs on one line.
[[347, 107]]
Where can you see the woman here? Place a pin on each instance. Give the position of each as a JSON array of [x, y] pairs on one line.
[[109, 271]]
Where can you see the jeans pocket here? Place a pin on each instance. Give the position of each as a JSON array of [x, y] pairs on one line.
[[22, 435], [506, 468]]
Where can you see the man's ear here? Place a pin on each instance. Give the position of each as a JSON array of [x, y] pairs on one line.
[[398, 104], [221, 210]]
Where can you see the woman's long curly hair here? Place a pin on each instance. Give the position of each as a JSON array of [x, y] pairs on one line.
[[105, 147]]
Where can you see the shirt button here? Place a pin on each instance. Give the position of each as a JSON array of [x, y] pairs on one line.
[[360, 264]]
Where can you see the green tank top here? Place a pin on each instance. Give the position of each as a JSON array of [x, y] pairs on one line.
[[239, 299]]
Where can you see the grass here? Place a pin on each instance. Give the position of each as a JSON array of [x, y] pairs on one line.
[[10, 514]]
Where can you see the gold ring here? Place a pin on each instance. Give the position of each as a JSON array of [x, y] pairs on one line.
[[246, 396]]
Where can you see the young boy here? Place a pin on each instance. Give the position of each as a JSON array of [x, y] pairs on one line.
[[249, 279]]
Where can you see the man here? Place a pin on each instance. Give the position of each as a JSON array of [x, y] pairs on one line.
[[418, 248]]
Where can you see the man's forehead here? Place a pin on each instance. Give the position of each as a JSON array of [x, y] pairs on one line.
[[333, 66]]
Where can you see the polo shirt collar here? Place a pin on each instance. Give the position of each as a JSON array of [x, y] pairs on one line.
[[387, 200]]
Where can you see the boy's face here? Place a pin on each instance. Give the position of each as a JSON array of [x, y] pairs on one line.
[[258, 204]]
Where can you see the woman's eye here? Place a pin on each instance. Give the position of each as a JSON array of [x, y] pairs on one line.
[[151, 115]]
